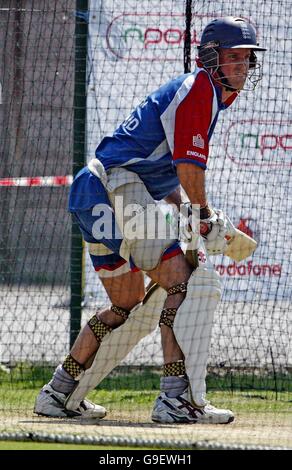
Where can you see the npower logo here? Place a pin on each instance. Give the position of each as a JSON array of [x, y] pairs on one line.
[[259, 143], [249, 268], [152, 36]]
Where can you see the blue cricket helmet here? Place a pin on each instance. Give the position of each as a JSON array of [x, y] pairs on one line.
[[230, 32]]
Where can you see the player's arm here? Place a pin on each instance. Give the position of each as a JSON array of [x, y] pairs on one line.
[[192, 179], [174, 198], [193, 120]]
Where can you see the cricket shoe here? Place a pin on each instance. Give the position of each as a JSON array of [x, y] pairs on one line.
[[51, 403], [181, 409]]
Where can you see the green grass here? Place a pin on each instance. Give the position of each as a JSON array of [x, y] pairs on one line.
[[129, 399], [24, 375], [12, 445], [140, 401], [138, 389]]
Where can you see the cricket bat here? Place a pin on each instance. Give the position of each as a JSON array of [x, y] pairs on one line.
[[239, 245]]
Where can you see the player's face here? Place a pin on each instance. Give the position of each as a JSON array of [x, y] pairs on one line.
[[234, 64]]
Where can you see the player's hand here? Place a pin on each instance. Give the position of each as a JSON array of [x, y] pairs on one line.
[[189, 227], [213, 230]]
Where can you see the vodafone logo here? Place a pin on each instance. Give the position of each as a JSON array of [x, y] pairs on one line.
[[243, 226], [249, 269], [249, 226]]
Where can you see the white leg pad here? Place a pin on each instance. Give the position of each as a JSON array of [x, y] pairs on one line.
[[116, 345], [193, 326]]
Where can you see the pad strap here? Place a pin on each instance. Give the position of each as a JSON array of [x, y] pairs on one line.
[[174, 368], [98, 328], [168, 314], [72, 367], [122, 312], [179, 288], [167, 317]]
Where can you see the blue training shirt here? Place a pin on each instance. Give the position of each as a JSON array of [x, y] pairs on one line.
[[173, 124]]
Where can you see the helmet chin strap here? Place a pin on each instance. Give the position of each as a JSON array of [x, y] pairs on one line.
[[224, 81]]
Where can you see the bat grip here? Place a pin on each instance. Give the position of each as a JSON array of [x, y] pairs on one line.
[[231, 231]]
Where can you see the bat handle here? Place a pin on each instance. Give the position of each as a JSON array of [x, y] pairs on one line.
[[231, 230]]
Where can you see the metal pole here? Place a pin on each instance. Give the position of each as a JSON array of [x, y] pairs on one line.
[[81, 30], [187, 42]]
